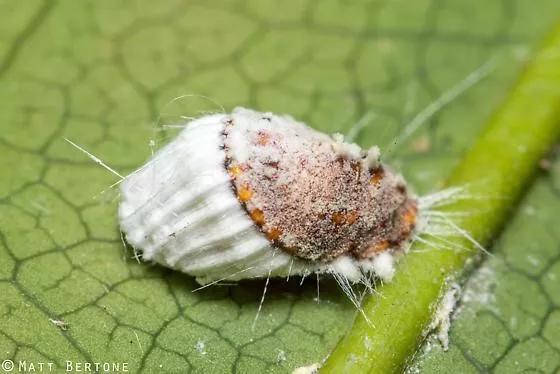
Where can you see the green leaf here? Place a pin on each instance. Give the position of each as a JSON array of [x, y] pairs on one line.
[[104, 74]]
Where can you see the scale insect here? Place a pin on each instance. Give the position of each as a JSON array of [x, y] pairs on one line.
[[256, 195], [253, 195]]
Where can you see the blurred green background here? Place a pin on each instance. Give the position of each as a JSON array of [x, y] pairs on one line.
[[115, 76]]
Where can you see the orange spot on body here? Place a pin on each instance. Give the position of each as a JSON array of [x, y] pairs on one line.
[[257, 216], [352, 217], [244, 193], [234, 171], [376, 176], [409, 220], [378, 247], [409, 217], [375, 249], [341, 218], [273, 234], [263, 138], [381, 246], [338, 218]]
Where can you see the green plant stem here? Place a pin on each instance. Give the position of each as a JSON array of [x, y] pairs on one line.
[[497, 168]]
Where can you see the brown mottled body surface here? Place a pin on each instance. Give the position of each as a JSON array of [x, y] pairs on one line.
[[314, 196]]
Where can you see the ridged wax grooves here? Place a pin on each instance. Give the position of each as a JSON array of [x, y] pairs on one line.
[[180, 210]]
